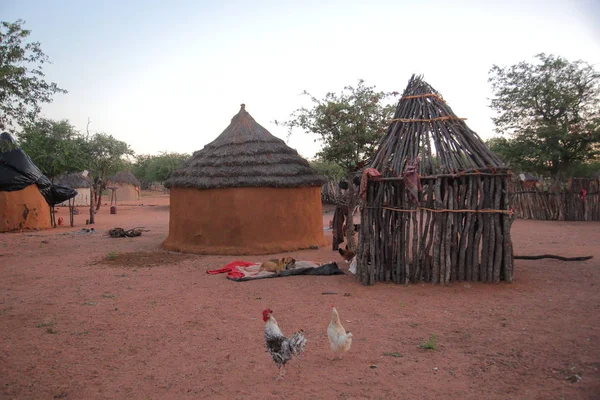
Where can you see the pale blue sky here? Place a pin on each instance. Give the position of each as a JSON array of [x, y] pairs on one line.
[[169, 75]]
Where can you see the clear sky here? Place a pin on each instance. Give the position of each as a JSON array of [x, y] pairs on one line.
[[169, 75]]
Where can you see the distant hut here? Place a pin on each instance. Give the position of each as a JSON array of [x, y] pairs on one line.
[[440, 212], [22, 205], [78, 181], [528, 180], [126, 184], [246, 192]]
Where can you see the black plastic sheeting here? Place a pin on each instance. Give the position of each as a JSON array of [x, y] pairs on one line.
[[17, 171]]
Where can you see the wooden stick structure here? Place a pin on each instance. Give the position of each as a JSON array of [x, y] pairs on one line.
[[449, 220], [577, 199]]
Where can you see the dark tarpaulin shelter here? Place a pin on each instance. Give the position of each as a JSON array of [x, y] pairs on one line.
[[17, 171], [25, 193]]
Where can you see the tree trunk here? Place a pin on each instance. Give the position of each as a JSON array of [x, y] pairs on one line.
[[99, 197], [350, 220], [91, 204], [71, 207], [94, 199]]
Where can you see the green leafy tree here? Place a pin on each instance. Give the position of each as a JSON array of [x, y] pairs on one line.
[[550, 111], [56, 147], [327, 168], [140, 167], [107, 157], [22, 85], [157, 168], [349, 126]]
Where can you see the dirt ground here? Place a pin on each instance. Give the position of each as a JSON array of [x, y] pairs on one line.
[[85, 316]]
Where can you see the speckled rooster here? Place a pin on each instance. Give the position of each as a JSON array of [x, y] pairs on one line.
[[280, 348]]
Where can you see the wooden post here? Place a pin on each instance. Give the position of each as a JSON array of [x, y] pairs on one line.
[[71, 209], [91, 220]]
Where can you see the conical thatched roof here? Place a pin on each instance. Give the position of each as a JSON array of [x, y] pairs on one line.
[[124, 177], [74, 180], [425, 126], [245, 155]]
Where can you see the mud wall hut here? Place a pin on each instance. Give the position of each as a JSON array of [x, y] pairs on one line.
[[437, 203], [246, 192], [22, 205], [78, 181], [128, 186]]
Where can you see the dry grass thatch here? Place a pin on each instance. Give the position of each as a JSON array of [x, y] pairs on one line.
[[245, 155], [74, 180], [124, 177]]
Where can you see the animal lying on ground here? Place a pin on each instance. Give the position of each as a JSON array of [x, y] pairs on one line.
[[289, 262], [277, 265]]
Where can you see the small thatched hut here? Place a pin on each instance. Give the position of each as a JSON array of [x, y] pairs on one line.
[[128, 186], [78, 181], [246, 192], [440, 210]]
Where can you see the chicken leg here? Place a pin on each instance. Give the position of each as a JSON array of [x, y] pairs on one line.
[[281, 372]]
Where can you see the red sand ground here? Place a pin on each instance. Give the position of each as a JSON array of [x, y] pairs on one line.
[[159, 327]]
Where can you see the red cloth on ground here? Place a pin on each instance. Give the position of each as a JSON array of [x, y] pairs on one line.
[[231, 269], [368, 172]]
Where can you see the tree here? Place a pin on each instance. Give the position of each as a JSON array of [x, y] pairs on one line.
[[54, 146], [22, 84], [551, 112], [349, 125], [140, 167], [157, 168], [162, 165], [327, 168], [106, 158]]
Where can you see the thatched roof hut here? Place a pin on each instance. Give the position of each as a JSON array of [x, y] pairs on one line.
[[246, 192], [128, 186], [124, 177], [440, 211], [245, 155], [74, 180], [78, 181]]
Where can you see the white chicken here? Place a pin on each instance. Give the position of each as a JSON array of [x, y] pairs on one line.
[[339, 338], [280, 348]]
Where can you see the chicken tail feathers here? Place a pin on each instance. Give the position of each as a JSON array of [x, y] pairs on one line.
[[297, 342]]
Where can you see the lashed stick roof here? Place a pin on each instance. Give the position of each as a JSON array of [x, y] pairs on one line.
[[245, 155], [424, 125]]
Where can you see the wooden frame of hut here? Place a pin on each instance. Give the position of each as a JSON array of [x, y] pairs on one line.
[[439, 212], [246, 192]]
